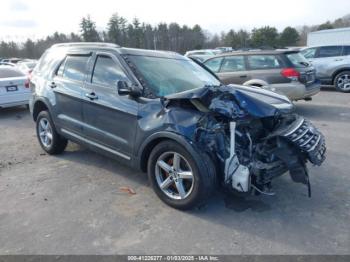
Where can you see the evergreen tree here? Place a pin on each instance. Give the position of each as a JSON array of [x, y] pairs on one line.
[[88, 30]]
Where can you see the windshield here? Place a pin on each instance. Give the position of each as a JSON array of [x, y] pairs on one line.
[[165, 76], [298, 60]]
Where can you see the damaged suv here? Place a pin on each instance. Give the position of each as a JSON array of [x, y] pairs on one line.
[[165, 114]]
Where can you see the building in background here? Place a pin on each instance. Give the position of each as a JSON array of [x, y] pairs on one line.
[[339, 36]]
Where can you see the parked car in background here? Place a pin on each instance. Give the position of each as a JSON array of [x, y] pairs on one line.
[[224, 49], [165, 114], [26, 66], [332, 64], [7, 64], [286, 72], [14, 87], [203, 54], [11, 60]]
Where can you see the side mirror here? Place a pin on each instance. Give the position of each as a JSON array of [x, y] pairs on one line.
[[125, 89]]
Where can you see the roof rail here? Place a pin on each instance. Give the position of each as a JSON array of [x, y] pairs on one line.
[[97, 44]]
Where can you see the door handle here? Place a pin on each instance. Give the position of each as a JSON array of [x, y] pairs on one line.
[[92, 96], [243, 76], [53, 85]]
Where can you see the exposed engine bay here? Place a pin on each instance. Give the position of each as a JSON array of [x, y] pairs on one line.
[[253, 136]]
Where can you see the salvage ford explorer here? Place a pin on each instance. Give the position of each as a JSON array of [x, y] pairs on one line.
[[165, 114]]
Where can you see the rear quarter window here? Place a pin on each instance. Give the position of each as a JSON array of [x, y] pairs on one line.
[[48, 62], [263, 62]]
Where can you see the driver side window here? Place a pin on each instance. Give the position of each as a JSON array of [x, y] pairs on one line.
[[107, 72]]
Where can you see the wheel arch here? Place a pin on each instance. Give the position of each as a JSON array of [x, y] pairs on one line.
[[256, 82], [338, 71], [38, 106], [153, 140]]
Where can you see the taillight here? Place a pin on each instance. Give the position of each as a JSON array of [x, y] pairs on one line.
[[26, 83], [290, 73]]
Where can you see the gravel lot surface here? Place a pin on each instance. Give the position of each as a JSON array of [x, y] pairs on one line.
[[73, 203]]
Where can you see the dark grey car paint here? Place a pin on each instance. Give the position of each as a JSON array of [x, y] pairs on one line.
[[106, 106]]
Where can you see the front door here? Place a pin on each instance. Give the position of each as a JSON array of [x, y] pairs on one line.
[[110, 119]]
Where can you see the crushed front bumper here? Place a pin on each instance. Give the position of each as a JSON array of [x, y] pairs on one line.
[[308, 139]]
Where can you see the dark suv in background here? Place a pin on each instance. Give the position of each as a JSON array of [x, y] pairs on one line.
[[165, 114], [285, 72]]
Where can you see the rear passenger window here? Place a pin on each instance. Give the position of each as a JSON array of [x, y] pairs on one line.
[[74, 67], [107, 72], [263, 62], [233, 63], [329, 51]]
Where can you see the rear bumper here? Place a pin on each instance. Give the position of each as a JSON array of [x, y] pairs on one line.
[[18, 103], [296, 90], [14, 99], [313, 89]]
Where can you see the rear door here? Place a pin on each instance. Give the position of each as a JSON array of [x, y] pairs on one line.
[[266, 67], [233, 70], [110, 119], [68, 84]]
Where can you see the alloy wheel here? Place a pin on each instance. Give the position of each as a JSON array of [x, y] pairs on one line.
[[343, 82], [174, 175], [45, 132]]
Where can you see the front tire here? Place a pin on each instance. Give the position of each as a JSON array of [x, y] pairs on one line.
[[49, 139], [342, 82], [180, 179]]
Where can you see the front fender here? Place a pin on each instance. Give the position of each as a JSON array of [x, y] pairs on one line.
[[150, 142]]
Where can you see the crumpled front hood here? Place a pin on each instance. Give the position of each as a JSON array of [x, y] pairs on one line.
[[235, 101]]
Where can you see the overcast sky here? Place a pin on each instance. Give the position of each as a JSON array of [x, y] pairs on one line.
[[20, 19]]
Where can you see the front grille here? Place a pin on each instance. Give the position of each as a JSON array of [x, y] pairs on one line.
[[308, 139]]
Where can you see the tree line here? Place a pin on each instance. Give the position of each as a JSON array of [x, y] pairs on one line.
[[164, 36]]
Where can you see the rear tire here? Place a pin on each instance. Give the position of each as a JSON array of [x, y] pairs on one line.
[[342, 81], [180, 179], [49, 139]]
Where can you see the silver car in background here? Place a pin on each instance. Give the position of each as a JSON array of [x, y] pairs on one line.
[[26, 66], [332, 64], [14, 87], [203, 54]]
